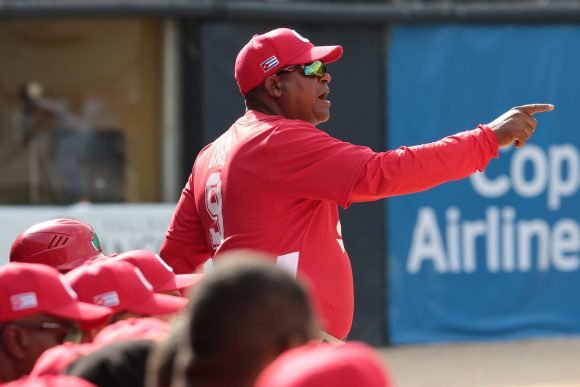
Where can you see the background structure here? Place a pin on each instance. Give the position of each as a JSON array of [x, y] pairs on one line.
[[164, 69]]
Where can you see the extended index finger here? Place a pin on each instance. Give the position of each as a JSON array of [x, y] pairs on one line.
[[535, 108]]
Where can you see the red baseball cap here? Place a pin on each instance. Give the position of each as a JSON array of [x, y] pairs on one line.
[[61, 243], [265, 54], [157, 272], [122, 287], [314, 365], [30, 288], [133, 329], [54, 360]]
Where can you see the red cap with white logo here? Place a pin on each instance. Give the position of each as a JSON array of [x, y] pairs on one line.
[[157, 272], [31, 288], [122, 287], [265, 54]]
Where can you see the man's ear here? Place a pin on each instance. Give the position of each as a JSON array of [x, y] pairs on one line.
[[14, 342], [272, 85]]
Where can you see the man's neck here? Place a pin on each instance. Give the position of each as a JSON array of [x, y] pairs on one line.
[[264, 107]]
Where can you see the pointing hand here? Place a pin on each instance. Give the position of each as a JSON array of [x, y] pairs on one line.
[[517, 124]]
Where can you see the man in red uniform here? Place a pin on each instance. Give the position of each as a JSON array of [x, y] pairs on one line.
[[273, 181]]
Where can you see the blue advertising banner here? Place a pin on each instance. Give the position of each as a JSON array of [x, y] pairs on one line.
[[497, 255]]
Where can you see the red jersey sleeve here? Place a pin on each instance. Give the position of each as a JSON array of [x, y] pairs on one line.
[[185, 247], [305, 162], [417, 168]]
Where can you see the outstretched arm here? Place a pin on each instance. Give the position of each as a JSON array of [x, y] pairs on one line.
[[418, 168]]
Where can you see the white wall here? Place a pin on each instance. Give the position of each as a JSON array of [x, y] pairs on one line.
[[120, 227]]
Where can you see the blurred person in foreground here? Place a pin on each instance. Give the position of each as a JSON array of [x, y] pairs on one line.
[[273, 181], [61, 243], [315, 365], [38, 310], [244, 313], [163, 357]]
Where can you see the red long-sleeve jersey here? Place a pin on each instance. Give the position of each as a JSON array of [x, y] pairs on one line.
[[274, 184]]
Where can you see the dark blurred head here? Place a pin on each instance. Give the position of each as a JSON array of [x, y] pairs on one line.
[[115, 365], [243, 314], [162, 360]]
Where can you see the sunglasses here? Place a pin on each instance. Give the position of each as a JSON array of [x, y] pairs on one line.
[[316, 68], [69, 333]]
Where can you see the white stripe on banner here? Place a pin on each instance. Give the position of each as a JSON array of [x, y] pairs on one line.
[[289, 262]]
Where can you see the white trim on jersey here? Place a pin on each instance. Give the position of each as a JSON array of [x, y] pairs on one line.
[[289, 262]]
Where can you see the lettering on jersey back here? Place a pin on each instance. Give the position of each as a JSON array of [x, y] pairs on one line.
[[222, 148]]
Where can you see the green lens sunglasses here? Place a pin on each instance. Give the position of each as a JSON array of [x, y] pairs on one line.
[[316, 68]]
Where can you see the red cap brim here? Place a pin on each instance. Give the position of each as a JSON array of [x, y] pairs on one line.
[[87, 315], [131, 329], [326, 54], [159, 304]]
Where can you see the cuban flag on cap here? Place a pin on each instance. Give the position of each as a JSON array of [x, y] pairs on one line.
[[108, 299], [23, 301], [269, 63]]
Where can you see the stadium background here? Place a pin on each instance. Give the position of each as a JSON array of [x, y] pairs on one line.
[[158, 77]]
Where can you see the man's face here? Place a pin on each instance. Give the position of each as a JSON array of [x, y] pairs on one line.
[[45, 330], [25, 339], [304, 97]]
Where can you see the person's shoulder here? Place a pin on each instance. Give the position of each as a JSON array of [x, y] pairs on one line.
[[296, 134]]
